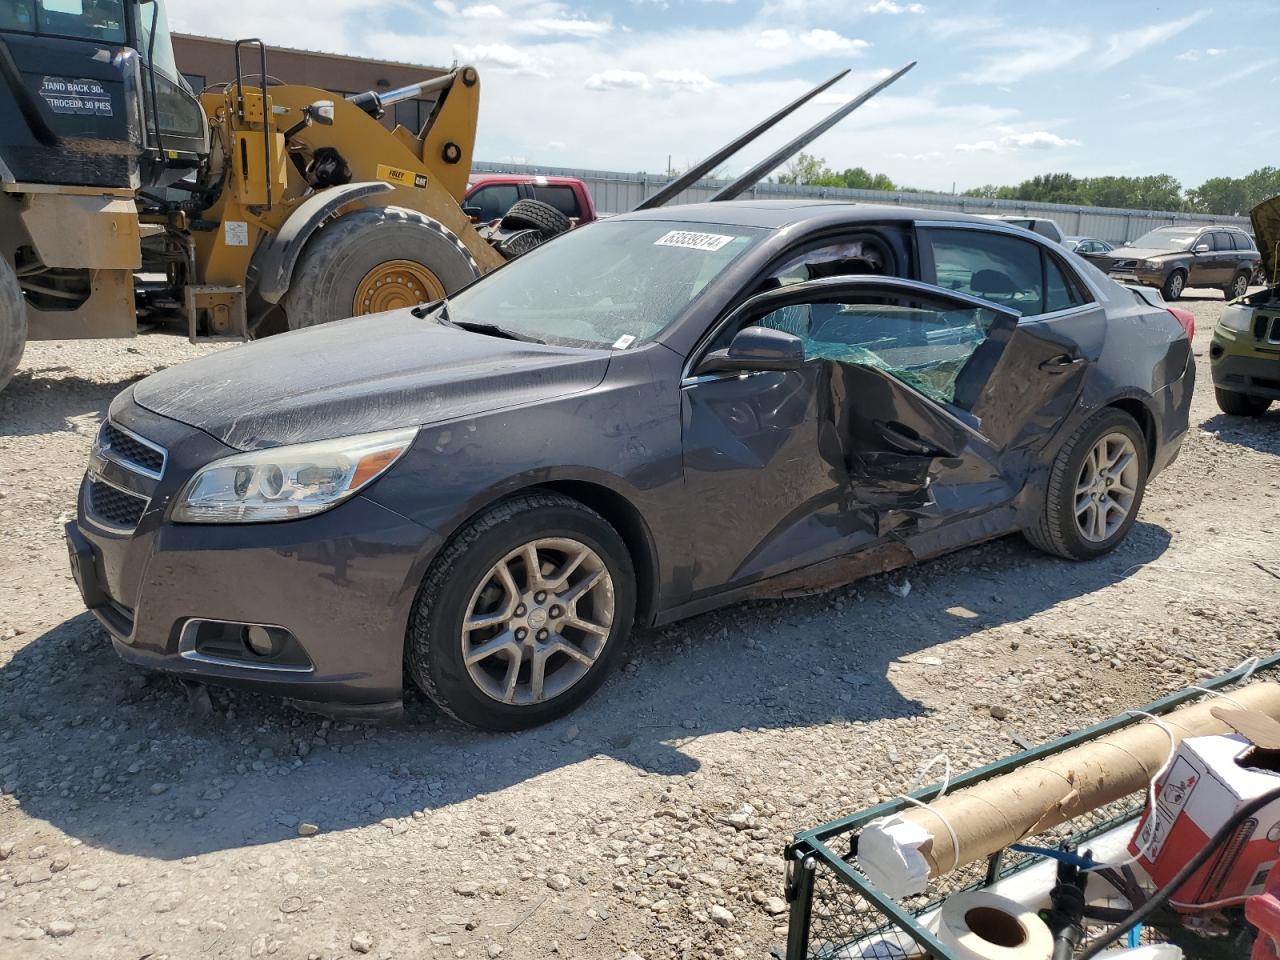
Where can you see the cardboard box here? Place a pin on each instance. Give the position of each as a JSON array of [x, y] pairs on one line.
[[1209, 780]]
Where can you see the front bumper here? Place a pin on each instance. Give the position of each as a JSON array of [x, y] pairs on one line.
[[1242, 363], [341, 583]]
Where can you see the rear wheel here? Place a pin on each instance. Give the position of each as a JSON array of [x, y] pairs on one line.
[[522, 615], [13, 322], [1240, 404], [1173, 286], [374, 260], [1238, 287], [1095, 488]]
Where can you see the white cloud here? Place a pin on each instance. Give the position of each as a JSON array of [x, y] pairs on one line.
[[829, 41], [1193, 55], [773, 39], [889, 6], [564, 26], [1019, 56], [503, 56], [685, 79], [1034, 140], [617, 80], [1127, 43], [447, 7], [482, 11]]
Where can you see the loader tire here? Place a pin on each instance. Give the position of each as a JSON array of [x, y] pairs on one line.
[[373, 260], [536, 215], [13, 322]]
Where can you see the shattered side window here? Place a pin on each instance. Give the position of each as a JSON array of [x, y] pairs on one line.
[[926, 347]]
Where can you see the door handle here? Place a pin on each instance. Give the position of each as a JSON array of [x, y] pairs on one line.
[[1062, 363], [904, 441]]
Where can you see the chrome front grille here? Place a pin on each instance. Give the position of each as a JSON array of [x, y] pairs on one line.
[[118, 506], [131, 451], [112, 507], [1267, 328], [1123, 264]]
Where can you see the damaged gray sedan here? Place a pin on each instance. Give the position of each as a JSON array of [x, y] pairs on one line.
[[642, 420]]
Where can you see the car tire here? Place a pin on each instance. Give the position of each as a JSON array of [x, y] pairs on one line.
[[1060, 528], [1240, 404], [1173, 285], [339, 273], [13, 322], [536, 215], [465, 577], [1238, 287]]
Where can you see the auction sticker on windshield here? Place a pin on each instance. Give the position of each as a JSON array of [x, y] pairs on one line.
[[692, 241]]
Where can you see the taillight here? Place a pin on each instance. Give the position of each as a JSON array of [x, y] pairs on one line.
[[1186, 318]]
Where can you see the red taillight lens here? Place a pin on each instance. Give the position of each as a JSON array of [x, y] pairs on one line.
[[1186, 318]]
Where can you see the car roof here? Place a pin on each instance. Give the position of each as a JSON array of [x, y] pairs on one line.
[[775, 214]]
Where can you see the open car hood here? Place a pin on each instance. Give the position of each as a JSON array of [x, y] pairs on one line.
[[1266, 231]]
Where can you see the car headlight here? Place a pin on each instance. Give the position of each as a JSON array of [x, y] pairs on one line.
[[284, 483], [1236, 318], [1148, 265]]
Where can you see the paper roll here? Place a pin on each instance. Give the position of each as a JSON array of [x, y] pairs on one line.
[[980, 925]]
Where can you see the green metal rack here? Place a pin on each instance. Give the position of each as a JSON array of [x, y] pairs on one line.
[[834, 908]]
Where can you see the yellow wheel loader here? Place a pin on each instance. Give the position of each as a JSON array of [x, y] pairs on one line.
[[255, 208]]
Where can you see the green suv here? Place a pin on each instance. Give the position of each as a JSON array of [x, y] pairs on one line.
[[1245, 352]]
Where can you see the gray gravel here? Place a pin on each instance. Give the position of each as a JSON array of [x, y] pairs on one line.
[[649, 824]]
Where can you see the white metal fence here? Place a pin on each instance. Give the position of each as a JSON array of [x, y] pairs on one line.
[[618, 192]]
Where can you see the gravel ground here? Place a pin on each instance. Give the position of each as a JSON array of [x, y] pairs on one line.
[[648, 824]]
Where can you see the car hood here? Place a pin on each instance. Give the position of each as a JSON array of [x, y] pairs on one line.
[[1266, 231], [359, 376], [1140, 253]]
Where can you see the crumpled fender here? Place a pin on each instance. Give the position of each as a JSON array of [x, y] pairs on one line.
[[271, 270]]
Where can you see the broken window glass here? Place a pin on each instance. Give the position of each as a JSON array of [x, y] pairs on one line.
[[925, 347]]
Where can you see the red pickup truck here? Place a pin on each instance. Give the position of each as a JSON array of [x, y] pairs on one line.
[[491, 195]]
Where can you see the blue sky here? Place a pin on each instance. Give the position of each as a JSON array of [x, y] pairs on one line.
[[1003, 90]]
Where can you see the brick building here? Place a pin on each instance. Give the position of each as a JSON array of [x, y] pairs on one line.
[[205, 61]]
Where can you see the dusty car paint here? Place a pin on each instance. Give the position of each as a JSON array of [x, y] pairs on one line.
[[721, 488]]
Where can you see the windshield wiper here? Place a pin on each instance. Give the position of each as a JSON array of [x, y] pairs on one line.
[[489, 329], [472, 326]]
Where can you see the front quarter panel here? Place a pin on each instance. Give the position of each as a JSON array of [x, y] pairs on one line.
[[623, 435]]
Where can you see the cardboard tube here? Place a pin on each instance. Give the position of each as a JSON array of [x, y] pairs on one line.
[[1039, 796]]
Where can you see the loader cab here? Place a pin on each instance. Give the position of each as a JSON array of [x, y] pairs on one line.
[[90, 95]]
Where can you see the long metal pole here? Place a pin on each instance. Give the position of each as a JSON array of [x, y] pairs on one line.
[[757, 173], [700, 170]]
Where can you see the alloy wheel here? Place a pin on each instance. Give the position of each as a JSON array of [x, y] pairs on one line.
[[1240, 287], [538, 621], [1106, 487], [1176, 284]]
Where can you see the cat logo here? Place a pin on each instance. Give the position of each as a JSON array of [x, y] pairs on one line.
[[401, 177]]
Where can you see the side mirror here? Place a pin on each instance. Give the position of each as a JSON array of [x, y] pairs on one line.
[[472, 212], [321, 112], [754, 349], [1201, 248]]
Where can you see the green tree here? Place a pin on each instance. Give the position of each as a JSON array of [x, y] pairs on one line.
[[860, 178], [1158, 192], [806, 169], [1235, 196], [992, 192]]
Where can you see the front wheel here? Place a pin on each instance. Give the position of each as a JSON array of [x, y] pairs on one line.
[[522, 615], [374, 260], [1095, 488], [1240, 404], [1173, 286], [13, 322]]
